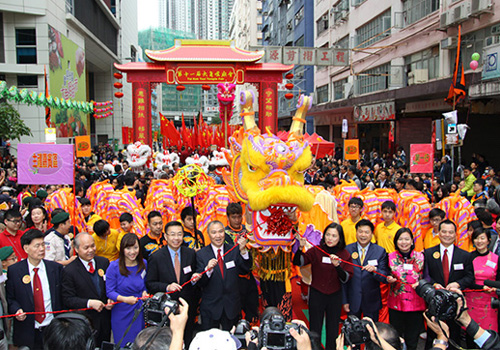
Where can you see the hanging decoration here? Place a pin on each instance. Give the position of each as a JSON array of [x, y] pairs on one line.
[[101, 113], [40, 99]]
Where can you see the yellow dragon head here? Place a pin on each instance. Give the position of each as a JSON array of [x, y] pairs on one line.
[[268, 173]]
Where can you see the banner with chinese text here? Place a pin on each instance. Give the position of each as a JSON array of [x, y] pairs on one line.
[[421, 158], [45, 164], [83, 147], [351, 149]]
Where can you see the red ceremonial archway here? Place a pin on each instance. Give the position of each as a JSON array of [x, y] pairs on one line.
[[202, 62]]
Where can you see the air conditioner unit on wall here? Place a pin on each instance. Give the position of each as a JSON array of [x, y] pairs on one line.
[[421, 76], [443, 20], [461, 12], [491, 40], [480, 6]]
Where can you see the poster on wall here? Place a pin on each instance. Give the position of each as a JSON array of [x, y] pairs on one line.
[[421, 158], [67, 77]]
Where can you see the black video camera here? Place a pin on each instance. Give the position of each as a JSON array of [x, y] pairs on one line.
[[441, 303], [155, 309], [355, 331], [274, 333]]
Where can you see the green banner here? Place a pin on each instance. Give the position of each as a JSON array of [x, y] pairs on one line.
[[67, 77]]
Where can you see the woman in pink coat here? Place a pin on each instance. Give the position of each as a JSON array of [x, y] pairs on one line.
[[405, 306], [485, 268]]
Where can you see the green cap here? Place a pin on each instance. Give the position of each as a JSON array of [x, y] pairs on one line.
[[60, 217], [5, 252], [42, 194]]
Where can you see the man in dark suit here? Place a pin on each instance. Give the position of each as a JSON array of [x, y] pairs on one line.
[[220, 301], [170, 268], [33, 285], [83, 286], [361, 294], [447, 266]]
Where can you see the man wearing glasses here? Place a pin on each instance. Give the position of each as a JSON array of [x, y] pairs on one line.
[[11, 236], [355, 207]]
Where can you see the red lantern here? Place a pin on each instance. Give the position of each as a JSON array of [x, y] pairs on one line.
[[118, 75], [289, 86], [118, 94], [180, 88], [205, 87], [289, 76], [289, 96], [118, 85]]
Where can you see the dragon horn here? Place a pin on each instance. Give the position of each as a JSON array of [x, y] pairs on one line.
[[305, 102], [247, 112]]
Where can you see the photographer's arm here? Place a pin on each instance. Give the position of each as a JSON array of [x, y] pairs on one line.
[[375, 335], [441, 337], [178, 324]]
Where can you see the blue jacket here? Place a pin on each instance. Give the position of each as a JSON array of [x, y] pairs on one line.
[[362, 291]]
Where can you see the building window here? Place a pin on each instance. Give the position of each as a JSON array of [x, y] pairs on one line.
[[299, 16], [322, 24], [341, 10], [133, 53], [27, 81], [413, 10], [322, 93], [424, 60], [342, 43], [371, 32], [338, 89], [26, 46], [375, 79], [300, 41]]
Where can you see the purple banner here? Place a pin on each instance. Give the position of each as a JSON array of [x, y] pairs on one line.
[[45, 164]]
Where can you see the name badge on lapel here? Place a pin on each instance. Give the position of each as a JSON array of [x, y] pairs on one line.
[[230, 265], [373, 262], [143, 274], [187, 269], [458, 266], [326, 260], [491, 264], [408, 267]]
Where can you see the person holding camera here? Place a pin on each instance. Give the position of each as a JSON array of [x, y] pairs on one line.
[[220, 301], [485, 268], [405, 306], [328, 276], [447, 266], [484, 339], [361, 294]]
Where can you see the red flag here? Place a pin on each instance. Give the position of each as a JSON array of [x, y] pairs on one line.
[[173, 134], [47, 109], [125, 135], [163, 130], [457, 88]]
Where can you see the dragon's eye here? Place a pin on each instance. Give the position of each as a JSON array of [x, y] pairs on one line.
[[252, 168]]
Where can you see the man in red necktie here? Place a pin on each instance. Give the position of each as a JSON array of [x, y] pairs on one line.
[[220, 301], [33, 285], [448, 266], [84, 286]]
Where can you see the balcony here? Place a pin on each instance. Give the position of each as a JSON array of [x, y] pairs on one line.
[[100, 23]]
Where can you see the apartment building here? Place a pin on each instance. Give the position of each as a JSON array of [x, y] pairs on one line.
[[401, 60]]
